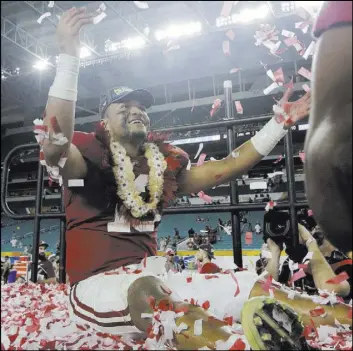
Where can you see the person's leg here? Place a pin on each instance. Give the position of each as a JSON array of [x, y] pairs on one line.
[[138, 300], [303, 305]]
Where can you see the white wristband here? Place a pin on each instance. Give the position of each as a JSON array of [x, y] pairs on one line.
[[268, 137], [65, 82]]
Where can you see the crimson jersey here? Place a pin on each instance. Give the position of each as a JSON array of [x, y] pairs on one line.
[[333, 14], [91, 249]]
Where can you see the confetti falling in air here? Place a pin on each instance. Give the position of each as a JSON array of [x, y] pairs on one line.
[[215, 107], [141, 4], [201, 160], [296, 276], [238, 107], [199, 151], [51, 4], [100, 14], [230, 34], [226, 47], [43, 16], [305, 73], [226, 8], [204, 197], [234, 70]]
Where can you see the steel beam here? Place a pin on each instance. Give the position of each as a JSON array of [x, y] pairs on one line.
[[41, 7], [167, 107], [23, 39]]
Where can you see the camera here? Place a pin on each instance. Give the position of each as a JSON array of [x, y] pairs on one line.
[[277, 227]]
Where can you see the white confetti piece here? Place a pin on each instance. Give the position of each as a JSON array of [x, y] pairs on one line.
[[59, 139], [230, 34], [43, 16], [270, 74], [309, 51], [188, 167], [235, 154], [99, 17], [226, 48], [141, 5], [181, 327], [76, 182], [141, 182], [234, 70], [51, 4], [305, 73], [198, 327], [266, 254], [146, 315], [62, 162], [308, 256], [270, 88], [198, 151], [238, 107], [306, 88], [287, 33], [291, 41], [298, 46]]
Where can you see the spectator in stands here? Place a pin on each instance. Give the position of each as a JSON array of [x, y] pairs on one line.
[[46, 272], [25, 250], [176, 234], [170, 263], [191, 232], [6, 269], [258, 228], [162, 244], [326, 262], [204, 256]]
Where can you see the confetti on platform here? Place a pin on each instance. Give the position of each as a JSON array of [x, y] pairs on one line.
[[238, 107]]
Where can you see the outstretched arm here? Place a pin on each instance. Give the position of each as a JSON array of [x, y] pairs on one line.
[[60, 109], [242, 159]]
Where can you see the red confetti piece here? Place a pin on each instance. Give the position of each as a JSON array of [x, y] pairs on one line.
[[234, 70], [305, 73], [208, 268], [317, 312], [298, 275], [230, 34], [227, 7], [189, 279], [55, 125], [228, 320], [343, 276], [239, 107], [215, 107], [206, 305], [266, 285], [302, 156], [248, 238], [226, 48], [279, 159], [237, 291], [208, 277], [204, 197], [238, 345], [145, 260], [173, 163], [201, 160]]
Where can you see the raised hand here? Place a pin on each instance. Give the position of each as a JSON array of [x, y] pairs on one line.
[[293, 112], [69, 27]]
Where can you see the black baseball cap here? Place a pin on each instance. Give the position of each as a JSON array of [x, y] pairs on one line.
[[121, 94]]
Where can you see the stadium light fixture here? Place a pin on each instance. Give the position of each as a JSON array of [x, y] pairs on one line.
[[85, 52], [41, 65], [179, 30], [245, 16]]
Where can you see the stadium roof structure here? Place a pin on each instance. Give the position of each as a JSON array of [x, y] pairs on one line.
[[181, 51]]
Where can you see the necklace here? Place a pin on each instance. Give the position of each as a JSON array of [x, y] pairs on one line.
[[125, 178]]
